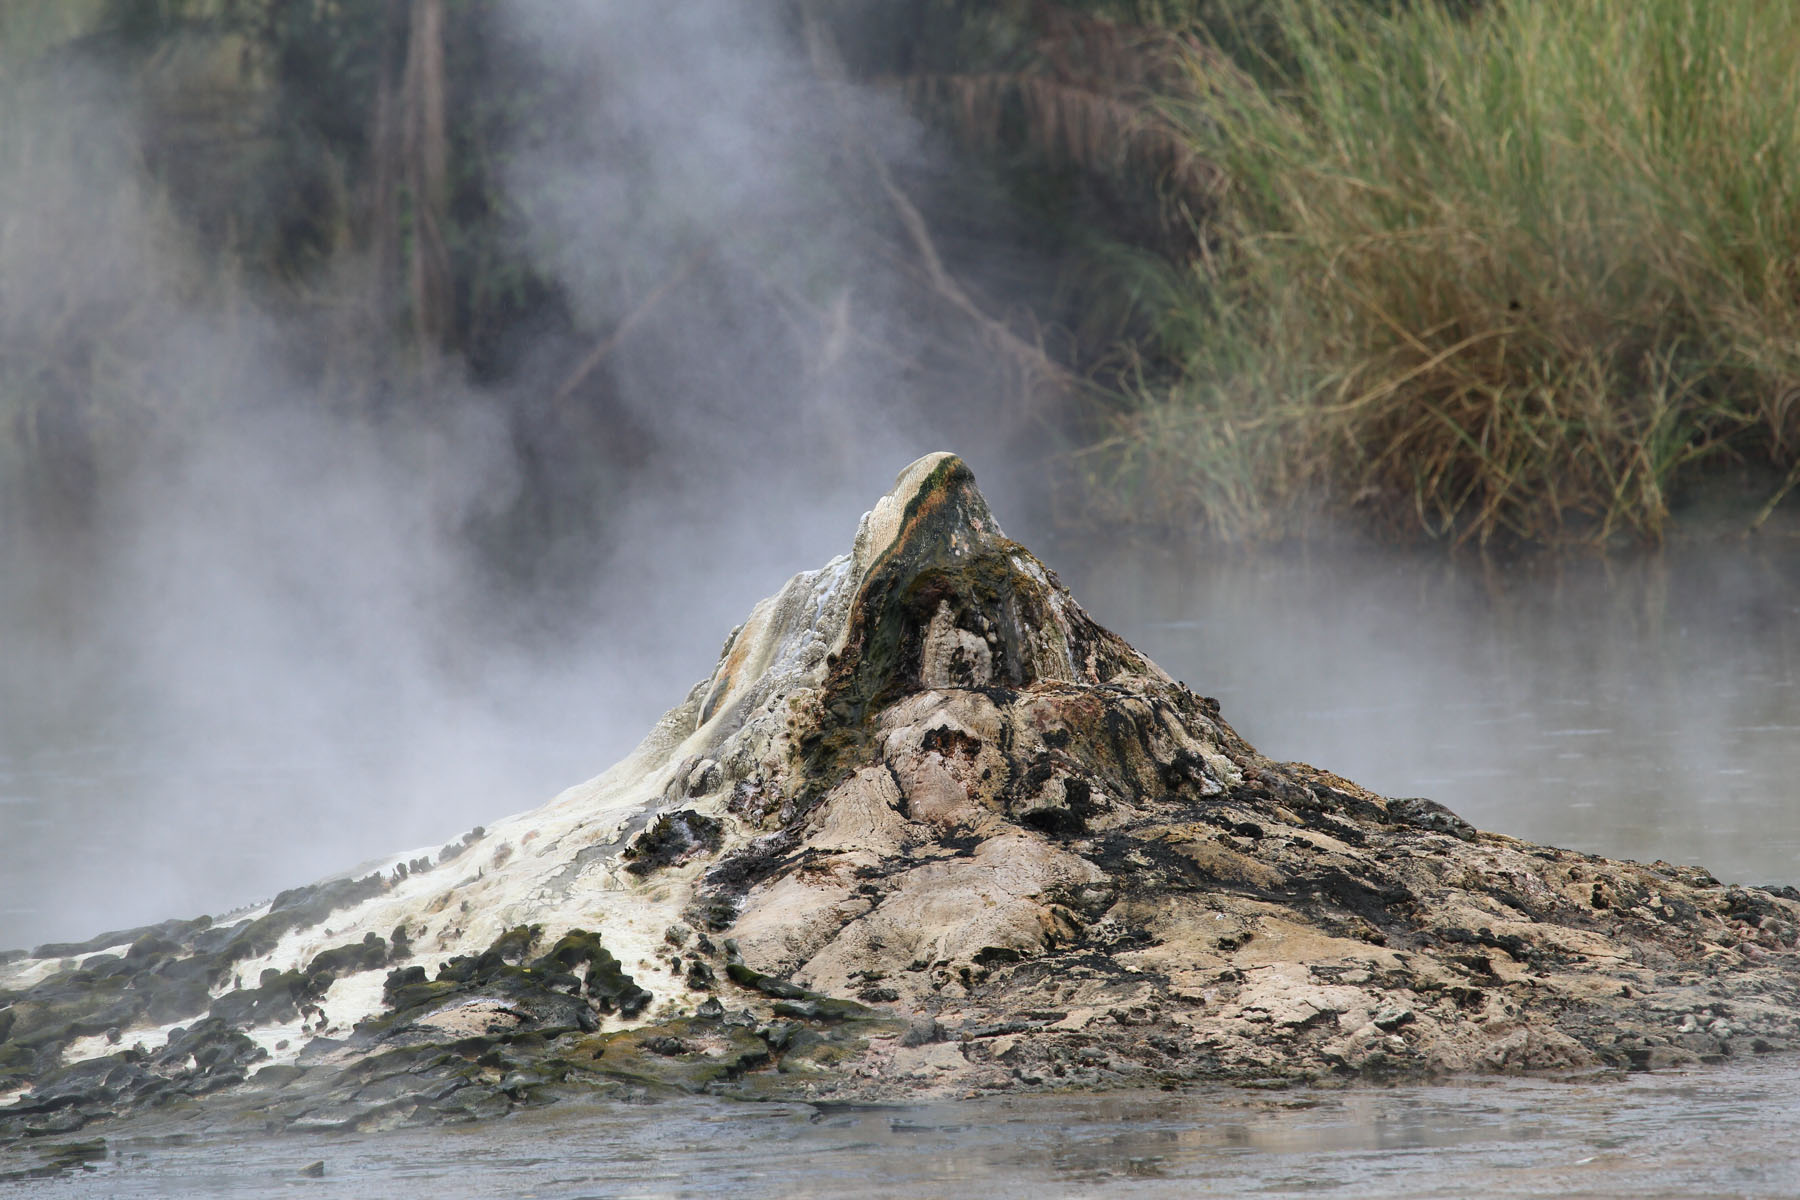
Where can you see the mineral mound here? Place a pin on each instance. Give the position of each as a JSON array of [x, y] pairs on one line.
[[927, 829]]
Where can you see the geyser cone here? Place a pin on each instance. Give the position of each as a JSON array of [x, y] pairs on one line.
[[926, 828]]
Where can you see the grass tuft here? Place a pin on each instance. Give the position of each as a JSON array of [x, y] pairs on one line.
[[1513, 271]]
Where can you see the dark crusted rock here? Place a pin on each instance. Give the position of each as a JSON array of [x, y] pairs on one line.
[[454, 849], [366, 955], [505, 989], [1429, 814], [671, 839], [44, 1160]]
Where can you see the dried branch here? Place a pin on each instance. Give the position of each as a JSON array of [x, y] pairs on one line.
[[427, 154], [1030, 357], [623, 329]]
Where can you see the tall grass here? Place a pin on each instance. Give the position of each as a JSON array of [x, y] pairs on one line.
[[1515, 272]]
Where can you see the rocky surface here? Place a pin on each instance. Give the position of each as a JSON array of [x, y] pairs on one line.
[[928, 829]]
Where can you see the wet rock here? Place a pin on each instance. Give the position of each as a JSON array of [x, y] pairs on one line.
[[1429, 814], [672, 838], [44, 1160], [1392, 1017], [455, 849], [506, 989]]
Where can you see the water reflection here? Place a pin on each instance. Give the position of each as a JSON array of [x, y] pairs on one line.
[[1724, 1131]]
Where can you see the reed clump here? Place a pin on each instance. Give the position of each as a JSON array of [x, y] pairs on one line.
[[1508, 269]]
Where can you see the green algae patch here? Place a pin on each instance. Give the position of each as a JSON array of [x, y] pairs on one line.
[[567, 987], [297, 908], [685, 1054], [106, 993], [607, 984], [810, 1059], [200, 1060], [820, 1052], [828, 1009], [792, 1000], [168, 972], [277, 999], [367, 955], [281, 996], [735, 1055], [745, 975]]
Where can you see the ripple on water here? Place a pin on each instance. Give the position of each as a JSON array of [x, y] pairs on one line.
[[1717, 1131]]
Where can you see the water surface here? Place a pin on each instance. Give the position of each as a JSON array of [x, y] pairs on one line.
[[1726, 1131]]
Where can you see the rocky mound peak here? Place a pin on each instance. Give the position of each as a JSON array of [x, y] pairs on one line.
[[926, 828]]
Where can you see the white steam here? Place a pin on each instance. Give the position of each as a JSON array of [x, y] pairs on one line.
[[280, 650]]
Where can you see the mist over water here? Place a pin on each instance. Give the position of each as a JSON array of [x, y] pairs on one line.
[[1640, 707]]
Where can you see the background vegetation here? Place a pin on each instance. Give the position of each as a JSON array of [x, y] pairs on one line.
[[1511, 269], [1247, 268]]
